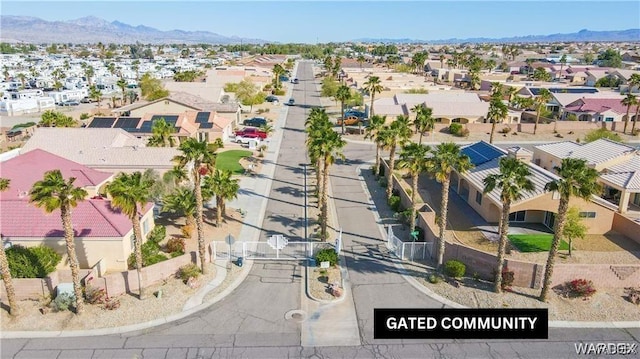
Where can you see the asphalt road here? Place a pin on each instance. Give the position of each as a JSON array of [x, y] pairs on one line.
[[250, 323]]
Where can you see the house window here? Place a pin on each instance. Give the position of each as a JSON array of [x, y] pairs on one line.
[[145, 227], [479, 198], [517, 216], [608, 119], [549, 219], [587, 214], [555, 195]]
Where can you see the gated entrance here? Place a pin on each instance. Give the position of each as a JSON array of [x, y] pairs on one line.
[[276, 247], [407, 250]]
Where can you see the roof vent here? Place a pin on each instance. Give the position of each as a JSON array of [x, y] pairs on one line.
[[22, 194]]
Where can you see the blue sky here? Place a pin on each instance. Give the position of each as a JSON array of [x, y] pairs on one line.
[[325, 21]]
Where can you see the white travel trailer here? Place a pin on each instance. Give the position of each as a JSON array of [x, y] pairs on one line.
[[68, 95]]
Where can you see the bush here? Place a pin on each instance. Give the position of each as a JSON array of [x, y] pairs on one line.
[[434, 279], [505, 129], [93, 295], [454, 268], [176, 244], [32, 262], [187, 231], [382, 182], [157, 234], [394, 203], [464, 133], [327, 255], [455, 129], [279, 92], [150, 255], [188, 271], [507, 278], [63, 302], [84, 116], [111, 303], [580, 288]]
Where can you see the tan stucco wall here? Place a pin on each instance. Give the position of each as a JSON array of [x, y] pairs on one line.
[[160, 107]]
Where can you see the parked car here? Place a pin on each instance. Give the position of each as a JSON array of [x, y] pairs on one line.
[[255, 121], [291, 102], [245, 140], [70, 103], [355, 113], [271, 98], [349, 121], [295, 81], [86, 100], [251, 132]]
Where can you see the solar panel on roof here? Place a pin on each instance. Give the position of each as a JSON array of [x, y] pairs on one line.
[[481, 152], [146, 127], [206, 125], [102, 122], [202, 117], [127, 122]]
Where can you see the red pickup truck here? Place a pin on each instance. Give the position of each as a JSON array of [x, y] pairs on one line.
[[251, 132]]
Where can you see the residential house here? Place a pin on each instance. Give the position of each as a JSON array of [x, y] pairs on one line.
[[101, 232], [105, 149], [617, 163], [597, 110], [537, 206], [447, 107]]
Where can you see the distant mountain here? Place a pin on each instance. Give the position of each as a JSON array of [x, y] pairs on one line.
[[580, 36], [92, 29]]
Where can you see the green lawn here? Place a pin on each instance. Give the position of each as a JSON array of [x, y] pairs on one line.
[[534, 242], [228, 160]]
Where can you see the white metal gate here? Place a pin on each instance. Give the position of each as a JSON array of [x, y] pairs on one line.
[[407, 250], [264, 250]]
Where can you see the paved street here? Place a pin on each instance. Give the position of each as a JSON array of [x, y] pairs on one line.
[[251, 323]]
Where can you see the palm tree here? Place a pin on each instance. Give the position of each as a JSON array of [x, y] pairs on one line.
[[315, 126], [424, 120], [497, 112], [89, 71], [4, 266], [53, 193], [373, 86], [278, 71], [95, 94], [123, 85], [563, 61], [371, 132], [577, 179], [634, 82], [513, 180], [130, 193], [396, 134], [162, 134], [541, 100], [200, 157], [413, 157], [446, 157], [224, 187], [511, 92], [628, 101], [182, 201], [343, 94], [267, 128], [23, 78], [332, 149], [361, 60]]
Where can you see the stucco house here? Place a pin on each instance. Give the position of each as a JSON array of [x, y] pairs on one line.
[[101, 232], [597, 110], [449, 107], [537, 206]]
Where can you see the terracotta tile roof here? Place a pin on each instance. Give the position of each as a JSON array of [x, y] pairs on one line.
[[597, 105], [28, 168]]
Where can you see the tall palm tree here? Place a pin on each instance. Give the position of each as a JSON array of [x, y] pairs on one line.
[[446, 158], [130, 193], [122, 84], [511, 92], [53, 192], [95, 94], [89, 71], [371, 132], [628, 101], [413, 157], [634, 82], [424, 120], [332, 149], [181, 201], [396, 134], [224, 187], [4, 266], [373, 86], [278, 71], [200, 158], [315, 126], [497, 112], [361, 60], [513, 180], [577, 179], [541, 100], [343, 94], [162, 134]]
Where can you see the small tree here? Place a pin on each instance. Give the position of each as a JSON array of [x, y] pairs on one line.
[[574, 227], [601, 133]]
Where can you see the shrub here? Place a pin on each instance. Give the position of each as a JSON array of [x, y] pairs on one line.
[[454, 268], [157, 234], [394, 203], [505, 129], [188, 271], [63, 302], [327, 255], [176, 244], [111, 303], [455, 129], [150, 255], [580, 288], [279, 92], [93, 295], [434, 279], [409, 192], [382, 182], [187, 231], [464, 133], [32, 262], [84, 116], [507, 278]]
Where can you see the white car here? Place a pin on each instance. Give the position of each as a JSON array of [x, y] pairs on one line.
[[245, 140]]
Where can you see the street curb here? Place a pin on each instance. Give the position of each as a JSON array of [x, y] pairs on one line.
[[326, 301], [552, 324]]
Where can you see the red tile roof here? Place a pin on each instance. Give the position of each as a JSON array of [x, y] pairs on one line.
[[597, 105], [27, 169]]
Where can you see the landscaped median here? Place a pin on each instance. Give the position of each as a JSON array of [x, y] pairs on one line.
[[324, 277]]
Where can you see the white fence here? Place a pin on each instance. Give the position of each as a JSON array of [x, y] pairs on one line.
[[263, 250], [407, 250]]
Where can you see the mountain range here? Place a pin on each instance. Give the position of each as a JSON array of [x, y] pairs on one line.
[[92, 29], [631, 35]]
